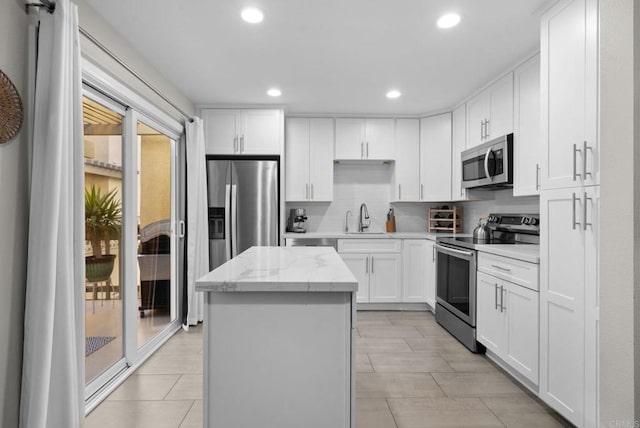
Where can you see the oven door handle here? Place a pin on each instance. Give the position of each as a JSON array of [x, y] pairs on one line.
[[450, 250], [486, 164]]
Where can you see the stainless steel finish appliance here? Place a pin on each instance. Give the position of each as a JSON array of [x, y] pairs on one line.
[[456, 272], [243, 198], [489, 165], [313, 242], [297, 217]]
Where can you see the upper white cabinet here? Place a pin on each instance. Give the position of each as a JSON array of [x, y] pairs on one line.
[[435, 158], [490, 113], [526, 128], [365, 139], [569, 89], [240, 132], [309, 159], [406, 186], [458, 145]]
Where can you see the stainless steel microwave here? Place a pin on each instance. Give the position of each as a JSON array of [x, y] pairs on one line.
[[489, 165]]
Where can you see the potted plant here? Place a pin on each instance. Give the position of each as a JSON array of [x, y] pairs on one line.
[[102, 224]]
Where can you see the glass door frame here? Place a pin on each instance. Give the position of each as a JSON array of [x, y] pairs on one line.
[[97, 83]]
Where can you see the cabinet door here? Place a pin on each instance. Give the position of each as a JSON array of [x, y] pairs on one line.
[[477, 113], [221, 131], [562, 302], [526, 132], [500, 108], [349, 138], [261, 132], [435, 165], [385, 273], [379, 139], [358, 264], [490, 321], [458, 144], [521, 345], [416, 257], [431, 274], [407, 167], [321, 159], [297, 159], [569, 94]]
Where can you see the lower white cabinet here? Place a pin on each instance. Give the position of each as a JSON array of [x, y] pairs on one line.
[[377, 264], [419, 271], [508, 322]]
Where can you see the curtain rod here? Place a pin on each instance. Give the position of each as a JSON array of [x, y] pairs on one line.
[[132, 71], [49, 5]]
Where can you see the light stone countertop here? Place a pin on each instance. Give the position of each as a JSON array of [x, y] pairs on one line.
[[368, 235], [528, 253], [281, 269]]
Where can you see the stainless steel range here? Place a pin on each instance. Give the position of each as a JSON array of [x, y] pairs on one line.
[[456, 271]]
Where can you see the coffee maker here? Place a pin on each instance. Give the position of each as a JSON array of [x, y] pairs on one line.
[[297, 217]]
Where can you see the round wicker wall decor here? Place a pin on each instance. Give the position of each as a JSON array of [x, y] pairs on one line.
[[11, 111]]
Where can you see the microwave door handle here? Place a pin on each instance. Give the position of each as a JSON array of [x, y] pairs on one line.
[[486, 164]]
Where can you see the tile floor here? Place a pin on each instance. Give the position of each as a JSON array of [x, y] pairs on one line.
[[410, 374]]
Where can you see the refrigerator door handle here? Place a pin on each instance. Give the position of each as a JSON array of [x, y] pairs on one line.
[[227, 222], [234, 220]]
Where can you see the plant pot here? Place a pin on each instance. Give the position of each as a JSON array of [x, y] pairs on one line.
[[99, 268]]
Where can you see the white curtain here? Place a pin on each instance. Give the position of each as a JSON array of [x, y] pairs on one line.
[[197, 220], [53, 361]]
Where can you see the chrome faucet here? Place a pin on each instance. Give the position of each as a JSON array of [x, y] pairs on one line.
[[346, 221], [361, 225]]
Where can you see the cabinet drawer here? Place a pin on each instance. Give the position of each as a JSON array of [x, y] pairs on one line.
[[369, 245], [516, 271]]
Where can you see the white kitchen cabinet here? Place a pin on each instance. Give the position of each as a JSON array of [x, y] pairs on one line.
[[358, 264], [385, 278], [490, 113], [458, 145], [435, 158], [371, 139], [418, 271], [526, 128], [507, 315], [569, 90], [242, 132], [406, 183], [568, 301], [309, 159], [377, 264]]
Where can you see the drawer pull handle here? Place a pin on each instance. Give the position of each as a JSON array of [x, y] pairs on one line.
[[501, 268]]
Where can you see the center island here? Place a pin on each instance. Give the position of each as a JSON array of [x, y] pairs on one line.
[[279, 340]]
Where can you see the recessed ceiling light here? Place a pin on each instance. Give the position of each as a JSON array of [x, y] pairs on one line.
[[393, 94], [252, 15], [449, 20], [274, 92]]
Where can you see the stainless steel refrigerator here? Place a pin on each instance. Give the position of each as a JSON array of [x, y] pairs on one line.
[[243, 198]]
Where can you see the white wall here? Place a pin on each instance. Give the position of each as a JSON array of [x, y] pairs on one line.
[[13, 218], [355, 183], [619, 209]]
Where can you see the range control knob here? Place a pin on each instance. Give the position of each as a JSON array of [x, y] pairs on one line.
[[534, 221], [525, 220]]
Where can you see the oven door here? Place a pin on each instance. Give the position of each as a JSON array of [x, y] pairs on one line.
[[456, 282]]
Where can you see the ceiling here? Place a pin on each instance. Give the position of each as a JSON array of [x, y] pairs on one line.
[[329, 56]]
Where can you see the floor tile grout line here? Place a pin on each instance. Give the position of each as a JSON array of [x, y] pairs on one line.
[[172, 386], [386, 400], [193, 403], [491, 410]]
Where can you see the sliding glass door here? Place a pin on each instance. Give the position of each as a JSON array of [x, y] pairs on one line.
[[130, 289]]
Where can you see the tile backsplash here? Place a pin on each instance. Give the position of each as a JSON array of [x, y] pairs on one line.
[[357, 183]]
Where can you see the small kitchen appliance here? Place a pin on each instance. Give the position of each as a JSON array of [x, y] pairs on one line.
[[297, 218], [456, 260], [489, 165]]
